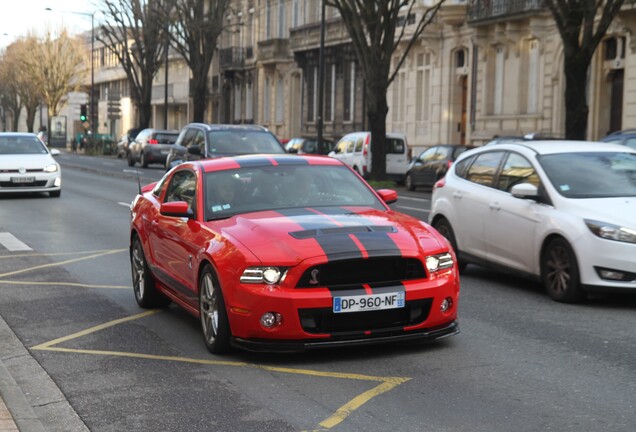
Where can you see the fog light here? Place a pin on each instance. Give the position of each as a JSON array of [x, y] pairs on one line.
[[447, 303], [271, 319]]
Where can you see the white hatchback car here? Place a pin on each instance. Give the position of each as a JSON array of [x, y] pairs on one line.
[[562, 212], [27, 165]]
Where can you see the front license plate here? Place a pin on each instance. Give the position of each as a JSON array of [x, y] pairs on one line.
[[22, 179], [362, 303]]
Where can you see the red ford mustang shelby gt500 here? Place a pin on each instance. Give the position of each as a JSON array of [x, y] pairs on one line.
[[289, 253]]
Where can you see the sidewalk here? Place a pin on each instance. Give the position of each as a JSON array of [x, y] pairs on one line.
[[29, 399]]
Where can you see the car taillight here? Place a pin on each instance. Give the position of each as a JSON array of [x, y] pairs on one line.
[[439, 184], [153, 141], [365, 150], [449, 164]]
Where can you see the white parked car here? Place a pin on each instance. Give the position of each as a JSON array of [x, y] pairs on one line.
[[562, 212], [27, 165], [354, 149]]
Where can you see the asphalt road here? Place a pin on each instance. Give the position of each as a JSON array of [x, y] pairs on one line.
[[522, 362]]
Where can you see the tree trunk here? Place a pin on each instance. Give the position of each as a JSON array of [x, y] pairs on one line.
[[377, 109], [576, 106], [199, 97]]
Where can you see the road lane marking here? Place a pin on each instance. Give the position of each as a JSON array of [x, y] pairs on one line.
[[73, 284], [340, 415], [10, 242], [414, 208], [125, 204], [408, 198]]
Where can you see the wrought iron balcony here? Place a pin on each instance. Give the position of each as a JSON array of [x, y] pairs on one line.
[[495, 10], [235, 57]]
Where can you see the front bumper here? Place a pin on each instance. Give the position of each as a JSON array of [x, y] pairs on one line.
[[44, 182], [388, 336]]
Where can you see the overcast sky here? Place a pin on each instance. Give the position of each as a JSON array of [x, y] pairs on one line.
[[18, 17]]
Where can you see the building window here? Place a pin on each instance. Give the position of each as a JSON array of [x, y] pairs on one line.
[[296, 13], [533, 76], [311, 94], [266, 100], [280, 100], [330, 90], [282, 27], [249, 102], [268, 21], [422, 87], [499, 81], [349, 91], [237, 102]]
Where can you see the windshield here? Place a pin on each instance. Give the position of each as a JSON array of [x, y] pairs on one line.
[[21, 145], [232, 192], [237, 142], [592, 175]]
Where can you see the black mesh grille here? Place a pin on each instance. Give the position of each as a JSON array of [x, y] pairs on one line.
[[362, 271], [22, 185], [323, 320]]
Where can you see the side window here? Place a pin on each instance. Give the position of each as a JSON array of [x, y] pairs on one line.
[[359, 145], [516, 170], [394, 146], [461, 167], [429, 155], [188, 138], [484, 168], [342, 146], [182, 187]]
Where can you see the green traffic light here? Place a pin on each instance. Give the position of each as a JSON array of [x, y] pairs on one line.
[[83, 118]]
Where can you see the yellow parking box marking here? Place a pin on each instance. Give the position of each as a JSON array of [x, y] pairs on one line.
[[341, 414], [74, 284], [38, 267]]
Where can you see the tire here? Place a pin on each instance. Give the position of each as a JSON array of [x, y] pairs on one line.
[[560, 272], [408, 182], [213, 315], [444, 228], [144, 287], [131, 161], [142, 160], [55, 194]]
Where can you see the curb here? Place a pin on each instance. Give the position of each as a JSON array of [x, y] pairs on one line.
[[29, 393]]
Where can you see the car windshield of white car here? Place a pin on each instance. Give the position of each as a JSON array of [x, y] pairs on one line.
[[592, 174], [11, 145], [238, 142], [245, 190]]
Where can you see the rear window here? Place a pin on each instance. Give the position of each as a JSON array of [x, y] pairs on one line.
[[239, 142], [395, 146], [166, 138]]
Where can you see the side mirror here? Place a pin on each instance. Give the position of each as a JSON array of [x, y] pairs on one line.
[[176, 209], [389, 196], [525, 191], [54, 152], [293, 150], [194, 150]]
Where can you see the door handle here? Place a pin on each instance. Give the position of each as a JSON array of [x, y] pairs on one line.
[[495, 206]]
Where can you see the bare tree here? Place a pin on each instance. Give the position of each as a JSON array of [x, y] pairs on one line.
[[134, 32], [11, 102], [581, 28], [376, 35], [56, 66], [197, 25], [28, 88]]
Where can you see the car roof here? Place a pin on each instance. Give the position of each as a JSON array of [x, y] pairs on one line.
[[261, 160], [561, 146], [215, 126]]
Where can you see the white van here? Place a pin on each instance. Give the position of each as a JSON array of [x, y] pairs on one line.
[[354, 149]]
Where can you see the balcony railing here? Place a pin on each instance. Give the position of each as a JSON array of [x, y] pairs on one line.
[[272, 50], [483, 10], [234, 57]]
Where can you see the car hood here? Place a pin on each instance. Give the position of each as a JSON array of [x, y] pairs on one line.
[[617, 211], [287, 237], [28, 161]]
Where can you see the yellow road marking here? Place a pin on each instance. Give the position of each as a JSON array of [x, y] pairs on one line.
[[107, 252], [386, 383], [83, 285], [54, 254]]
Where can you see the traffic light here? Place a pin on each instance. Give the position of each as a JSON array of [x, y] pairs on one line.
[[83, 115]]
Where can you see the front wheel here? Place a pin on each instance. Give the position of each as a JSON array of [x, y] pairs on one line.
[[129, 158], [213, 315], [146, 292], [560, 272], [408, 182], [444, 228]]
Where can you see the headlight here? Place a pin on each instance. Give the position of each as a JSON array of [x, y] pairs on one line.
[[611, 232], [439, 262], [50, 168], [258, 275]]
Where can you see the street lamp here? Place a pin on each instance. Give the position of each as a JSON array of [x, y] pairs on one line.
[[91, 101]]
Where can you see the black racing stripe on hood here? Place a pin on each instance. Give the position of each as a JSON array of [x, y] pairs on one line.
[[332, 245], [254, 162], [291, 160]]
